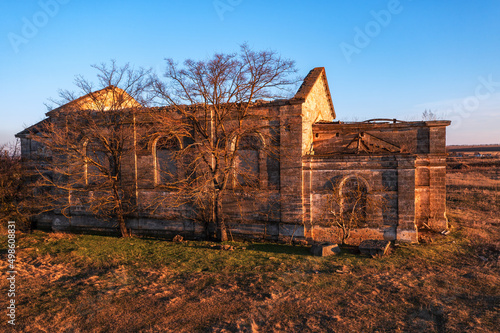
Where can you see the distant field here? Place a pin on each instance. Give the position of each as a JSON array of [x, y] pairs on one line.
[[86, 283], [474, 148], [469, 164]]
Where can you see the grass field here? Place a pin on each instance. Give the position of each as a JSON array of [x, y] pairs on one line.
[[85, 283]]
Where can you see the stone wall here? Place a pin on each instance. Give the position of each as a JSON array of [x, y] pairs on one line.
[[404, 162], [382, 178], [401, 164]]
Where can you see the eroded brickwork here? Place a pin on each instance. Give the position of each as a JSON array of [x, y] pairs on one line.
[[400, 165], [402, 161]]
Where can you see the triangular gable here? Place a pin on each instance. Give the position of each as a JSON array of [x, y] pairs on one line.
[[315, 85], [108, 98], [369, 143]]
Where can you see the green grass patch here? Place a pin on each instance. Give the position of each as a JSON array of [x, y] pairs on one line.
[[101, 252]]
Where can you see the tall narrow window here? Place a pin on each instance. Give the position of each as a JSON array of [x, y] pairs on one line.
[[97, 167], [167, 161], [247, 161], [354, 195]]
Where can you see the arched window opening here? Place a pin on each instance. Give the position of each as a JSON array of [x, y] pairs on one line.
[[97, 167], [354, 193], [247, 161], [167, 161]]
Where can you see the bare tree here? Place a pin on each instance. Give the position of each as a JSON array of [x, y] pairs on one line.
[[88, 142], [428, 115], [215, 97], [16, 199], [349, 205]]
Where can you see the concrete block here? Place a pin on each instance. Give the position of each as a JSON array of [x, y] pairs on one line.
[[325, 249]]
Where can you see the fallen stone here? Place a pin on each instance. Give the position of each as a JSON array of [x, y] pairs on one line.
[[325, 249], [343, 269], [224, 247], [178, 239], [374, 247]]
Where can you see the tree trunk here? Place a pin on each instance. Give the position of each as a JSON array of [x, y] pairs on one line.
[[119, 212], [222, 231], [219, 219], [345, 234], [123, 228]]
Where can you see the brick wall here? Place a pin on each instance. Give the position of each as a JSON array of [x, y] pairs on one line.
[[401, 163]]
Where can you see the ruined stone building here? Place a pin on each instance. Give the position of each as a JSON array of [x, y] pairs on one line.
[[401, 162]]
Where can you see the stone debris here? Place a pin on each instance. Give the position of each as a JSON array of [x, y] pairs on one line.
[[178, 239], [325, 249], [225, 247], [373, 247], [343, 270]]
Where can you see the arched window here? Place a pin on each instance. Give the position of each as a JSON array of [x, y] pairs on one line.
[[97, 167], [167, 161], [247, 168], [354, 193]]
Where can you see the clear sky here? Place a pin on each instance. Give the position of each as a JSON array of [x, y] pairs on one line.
[[384, 59]]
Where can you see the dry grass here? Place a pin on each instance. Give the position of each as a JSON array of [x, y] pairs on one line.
[[69, 283], [472, 179]]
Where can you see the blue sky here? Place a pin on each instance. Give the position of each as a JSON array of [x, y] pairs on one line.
[[386, 58]]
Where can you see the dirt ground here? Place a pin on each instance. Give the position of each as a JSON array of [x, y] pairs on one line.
[[85, 283]]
